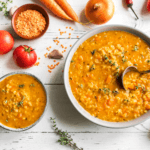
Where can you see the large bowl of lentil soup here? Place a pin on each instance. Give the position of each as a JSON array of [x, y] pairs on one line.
[[30, 21], [23, 101], [93, 65]]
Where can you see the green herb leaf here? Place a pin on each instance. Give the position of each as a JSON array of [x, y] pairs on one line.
[[110, 61], [115, 92], [124, 60], [21, 102], [117, 67], [32, 84], [114, 64], [105, 57], [21, 86], [3, 7], [148, 61], [72, 61], [135, 48], [106, 90], [93, 52], [126, 100], [92, 68], [136, 87]]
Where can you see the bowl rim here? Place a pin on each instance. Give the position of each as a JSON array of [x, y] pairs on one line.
[[79, 108], [36, 122], [47, 21]]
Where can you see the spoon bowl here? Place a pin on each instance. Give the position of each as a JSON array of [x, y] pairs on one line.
[[129, 69]]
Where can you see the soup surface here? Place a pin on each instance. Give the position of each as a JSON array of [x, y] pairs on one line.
[[94, 70], [22, 101]]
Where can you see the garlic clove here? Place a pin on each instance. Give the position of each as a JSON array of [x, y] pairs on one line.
[[12, 10]]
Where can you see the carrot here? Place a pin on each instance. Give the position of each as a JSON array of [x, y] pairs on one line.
[[108, 80], [55, 8], [68, 9]]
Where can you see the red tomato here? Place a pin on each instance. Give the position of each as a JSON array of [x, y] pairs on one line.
[[24, 56], [6, 42]]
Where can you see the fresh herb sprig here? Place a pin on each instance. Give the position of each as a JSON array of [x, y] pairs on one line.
[[3, 7], [65, 138]]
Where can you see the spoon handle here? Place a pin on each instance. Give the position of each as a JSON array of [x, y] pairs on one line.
[[148, 71]]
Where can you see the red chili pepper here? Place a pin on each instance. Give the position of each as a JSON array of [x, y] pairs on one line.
[[148, 5], [130, 4]]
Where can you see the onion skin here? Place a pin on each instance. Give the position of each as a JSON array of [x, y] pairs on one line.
[[99, 11]]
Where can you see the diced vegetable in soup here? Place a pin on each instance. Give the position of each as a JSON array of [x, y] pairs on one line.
[[22, 101], [94, 70]]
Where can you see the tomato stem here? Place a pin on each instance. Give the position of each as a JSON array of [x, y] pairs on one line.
[[27, 49]]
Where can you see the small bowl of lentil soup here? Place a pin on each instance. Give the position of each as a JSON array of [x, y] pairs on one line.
[[23, 101], [91, 74], [30, 21]]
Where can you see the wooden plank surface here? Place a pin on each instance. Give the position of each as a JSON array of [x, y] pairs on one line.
[[85, 133]]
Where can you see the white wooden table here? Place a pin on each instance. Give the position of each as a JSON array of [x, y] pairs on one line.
[[85, 133]]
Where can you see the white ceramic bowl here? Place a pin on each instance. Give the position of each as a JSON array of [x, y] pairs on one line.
[[38, 120], [68, 88]]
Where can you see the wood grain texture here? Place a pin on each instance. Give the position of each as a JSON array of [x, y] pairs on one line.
[[85, 133]]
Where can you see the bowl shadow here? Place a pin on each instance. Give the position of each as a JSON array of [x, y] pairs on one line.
[[63, 109]]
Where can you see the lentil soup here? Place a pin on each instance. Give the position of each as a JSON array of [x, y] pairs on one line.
[[22, 101], [94, 70]]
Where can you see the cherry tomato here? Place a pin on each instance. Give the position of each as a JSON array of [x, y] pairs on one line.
[[24, 56]]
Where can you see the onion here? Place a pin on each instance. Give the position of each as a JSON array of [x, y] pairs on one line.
[[99, 11]]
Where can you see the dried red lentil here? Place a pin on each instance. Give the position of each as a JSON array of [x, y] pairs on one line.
[[30, 23]]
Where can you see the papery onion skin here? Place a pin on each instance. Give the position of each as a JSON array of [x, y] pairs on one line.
[[99, 11]]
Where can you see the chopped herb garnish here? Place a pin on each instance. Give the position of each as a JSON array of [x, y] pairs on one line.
[[3, 90], [144, 90], [106, 90], [92, 68], [117, 67], [136, 87], [72, 61], [110, 61], [124, 60], [32, 85], [93, 52], [114, 64], [6, 120], [148, 61], [21, 102], [99, 90], [117, 74], [70, 78], [6, 101], [135, 48], [126, 100], [81, 85], [21, 86], [115, 92], [105, 57], [135, 64]]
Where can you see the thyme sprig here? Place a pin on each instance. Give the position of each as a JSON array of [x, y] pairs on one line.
[[65, 138], [3, 7]]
